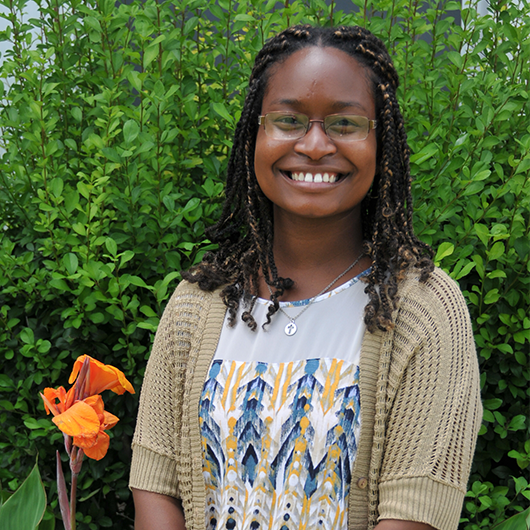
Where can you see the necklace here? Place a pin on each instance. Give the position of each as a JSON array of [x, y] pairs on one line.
[[291, 328]]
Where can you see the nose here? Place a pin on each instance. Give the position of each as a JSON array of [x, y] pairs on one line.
[[316, 144]]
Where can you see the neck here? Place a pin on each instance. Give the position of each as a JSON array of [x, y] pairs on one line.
[[312, 252]]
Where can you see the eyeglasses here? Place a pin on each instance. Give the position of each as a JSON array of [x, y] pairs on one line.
[[343, 127]]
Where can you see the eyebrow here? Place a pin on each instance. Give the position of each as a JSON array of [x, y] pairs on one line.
[[337, 105]]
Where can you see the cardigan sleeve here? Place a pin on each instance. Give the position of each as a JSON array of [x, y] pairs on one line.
[[156, 443], [434, 408]]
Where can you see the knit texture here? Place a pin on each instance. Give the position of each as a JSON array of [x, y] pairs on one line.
[[420, 407]]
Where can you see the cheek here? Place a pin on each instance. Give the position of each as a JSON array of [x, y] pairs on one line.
[[261, 162], [266, 154], [365, 157]]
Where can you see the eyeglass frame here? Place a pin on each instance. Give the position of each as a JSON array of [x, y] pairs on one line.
[[372, 124]]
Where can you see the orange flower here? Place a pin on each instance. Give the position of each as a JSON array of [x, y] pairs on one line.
[[51, 394], [80, 412], [102, 377], [87, 421]]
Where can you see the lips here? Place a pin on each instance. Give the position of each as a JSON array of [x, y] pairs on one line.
[[317, 177]]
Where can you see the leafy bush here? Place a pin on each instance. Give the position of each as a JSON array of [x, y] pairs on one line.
[[116, 123]]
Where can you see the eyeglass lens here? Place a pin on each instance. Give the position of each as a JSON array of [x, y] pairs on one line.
[[281, 125]]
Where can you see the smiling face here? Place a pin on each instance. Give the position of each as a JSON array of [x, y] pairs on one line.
[[336, 174]]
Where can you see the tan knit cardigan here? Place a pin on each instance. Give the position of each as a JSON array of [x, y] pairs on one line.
[[420, 407]]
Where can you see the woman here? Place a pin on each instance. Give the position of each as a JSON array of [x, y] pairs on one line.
[[316, 371]]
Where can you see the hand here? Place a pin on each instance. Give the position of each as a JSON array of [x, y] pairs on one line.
[[393, 524], [154, 511]]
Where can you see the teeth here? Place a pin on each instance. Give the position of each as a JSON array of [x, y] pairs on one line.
[[318, 177]]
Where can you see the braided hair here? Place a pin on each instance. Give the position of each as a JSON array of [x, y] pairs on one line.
[[244, 232]]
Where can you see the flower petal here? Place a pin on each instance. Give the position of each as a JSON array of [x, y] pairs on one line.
[[102, 377], [50, 395], [96, 402], [109, 420], [100, 448], [85, 441], [79, 419]]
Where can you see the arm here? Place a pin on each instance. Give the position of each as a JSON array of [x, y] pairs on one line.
[[435, 412], [156, 511], [392, 524], [155, 445]]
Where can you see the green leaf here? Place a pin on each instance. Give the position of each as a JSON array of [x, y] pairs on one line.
[[25, 508], [97, 318], [492, 296], [27, 336], [244, 17], [496, 251], [77, 114], [492, 404], [70, 263], [136, 280], [520, 357], [483, 233], [479, 262], [134, 78], [125, 257], [427, 152], [520, 484], [221, 110], [521, 521], [147, 311], [130, 131], [488, 416], [32, 423], [112, 154], [482, 175], [444, 250], [522, 246], [150, 54], [56, 186], [517, 423], [466, 269], [84, 189], [92, 23], [111, 245], [455, 58], [144, 147]]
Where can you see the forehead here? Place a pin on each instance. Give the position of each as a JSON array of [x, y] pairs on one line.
[[320, 79]]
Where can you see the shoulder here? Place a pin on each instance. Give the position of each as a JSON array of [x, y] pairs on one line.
[[440, 292], [189, 298], [435, 306], [190, 308]]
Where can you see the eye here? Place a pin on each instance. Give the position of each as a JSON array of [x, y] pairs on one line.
[[287, 122], [343, 125]]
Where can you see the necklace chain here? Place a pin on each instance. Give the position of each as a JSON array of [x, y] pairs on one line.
[[291, 328]]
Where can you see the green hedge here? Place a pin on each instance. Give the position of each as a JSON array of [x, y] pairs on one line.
[[115, 127]]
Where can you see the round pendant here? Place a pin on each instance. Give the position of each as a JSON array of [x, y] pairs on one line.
[[290, 329]]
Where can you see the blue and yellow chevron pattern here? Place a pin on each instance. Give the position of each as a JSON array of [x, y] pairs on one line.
[[279, 442]]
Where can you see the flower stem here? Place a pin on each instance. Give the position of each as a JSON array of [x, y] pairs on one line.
[[63, 496], [76, 461], [73, 491]]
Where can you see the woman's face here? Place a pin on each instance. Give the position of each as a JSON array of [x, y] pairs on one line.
[[317, 82]]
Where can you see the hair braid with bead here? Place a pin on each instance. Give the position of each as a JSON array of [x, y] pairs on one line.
[[244, 232]]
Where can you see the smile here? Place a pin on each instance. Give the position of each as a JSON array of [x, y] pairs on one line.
[[313, 177]]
